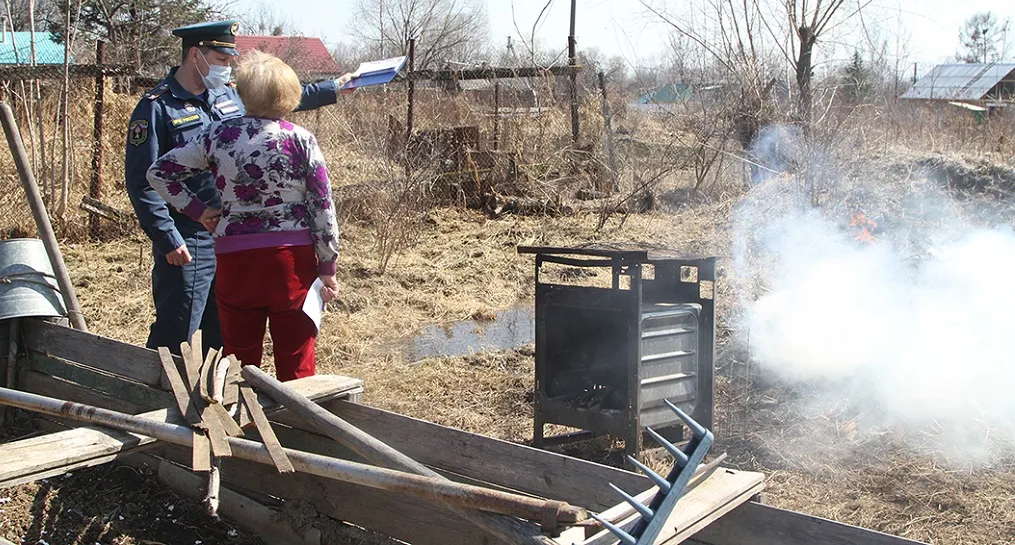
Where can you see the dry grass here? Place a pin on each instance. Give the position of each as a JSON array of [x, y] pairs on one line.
[[464, 266]]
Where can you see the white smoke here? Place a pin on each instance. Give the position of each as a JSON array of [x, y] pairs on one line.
[[918, 326]]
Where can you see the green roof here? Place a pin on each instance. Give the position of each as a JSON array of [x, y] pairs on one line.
[[47, 51]]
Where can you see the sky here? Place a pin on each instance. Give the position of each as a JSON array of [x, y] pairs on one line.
[[627, 29]]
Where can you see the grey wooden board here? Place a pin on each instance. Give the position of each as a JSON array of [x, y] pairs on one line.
[[109, 384], [715, 496], [758, 524], [135, 362], [511, 465], [408, 519], [21, 460], [38, 383]]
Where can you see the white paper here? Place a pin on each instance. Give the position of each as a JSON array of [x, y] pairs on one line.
[[313, 305], [376, 67]]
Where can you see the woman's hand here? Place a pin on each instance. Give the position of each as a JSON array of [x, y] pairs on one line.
[[330, 289], [210, 218]]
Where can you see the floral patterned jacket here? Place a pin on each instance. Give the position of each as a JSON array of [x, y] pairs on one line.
[[273, 181]]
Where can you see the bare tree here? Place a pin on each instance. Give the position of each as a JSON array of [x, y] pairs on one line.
[[266, 19], [21, 14], [984, 38], [793, 27], [446, 31]]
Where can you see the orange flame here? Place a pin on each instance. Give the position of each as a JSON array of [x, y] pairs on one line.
[[866, 227]]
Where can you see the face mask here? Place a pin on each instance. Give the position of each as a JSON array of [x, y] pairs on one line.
[[217, 75]]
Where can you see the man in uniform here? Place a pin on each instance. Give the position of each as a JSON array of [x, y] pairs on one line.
[[194, 94]]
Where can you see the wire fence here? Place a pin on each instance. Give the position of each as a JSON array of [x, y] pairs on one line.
[[466, 142]]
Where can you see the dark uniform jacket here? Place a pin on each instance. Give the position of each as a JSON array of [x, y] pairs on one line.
[[166, 117]]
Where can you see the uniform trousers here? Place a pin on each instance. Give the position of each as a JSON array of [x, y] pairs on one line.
[[181, 295]]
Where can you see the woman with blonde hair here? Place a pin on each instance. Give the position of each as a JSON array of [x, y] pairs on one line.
[[277, 230]]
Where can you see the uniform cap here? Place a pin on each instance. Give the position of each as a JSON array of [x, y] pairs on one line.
[[218, 35]]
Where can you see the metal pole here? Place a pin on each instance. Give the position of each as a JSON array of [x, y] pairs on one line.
[[425, 487], [95, 188], [573, 61], [41, 217], [376, 451]]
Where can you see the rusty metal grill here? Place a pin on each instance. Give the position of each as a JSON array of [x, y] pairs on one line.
[[607, 358]]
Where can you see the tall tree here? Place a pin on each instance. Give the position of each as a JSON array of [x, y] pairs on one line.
[[984, 38], [857, 79], [136, 31], [266, 19], [446, 31], [20, 19]]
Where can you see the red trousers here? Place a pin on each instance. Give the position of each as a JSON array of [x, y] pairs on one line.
[[268, 284]]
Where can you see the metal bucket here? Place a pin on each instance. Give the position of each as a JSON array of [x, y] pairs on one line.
[[28, 287]]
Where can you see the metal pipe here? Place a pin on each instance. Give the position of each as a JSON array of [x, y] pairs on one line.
[[418, 486], [376, 451], [41, 217]]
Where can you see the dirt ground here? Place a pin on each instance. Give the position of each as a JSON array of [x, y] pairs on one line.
[[465, 266]]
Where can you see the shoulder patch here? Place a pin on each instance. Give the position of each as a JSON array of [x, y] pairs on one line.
[[157, 91], [137, 133]]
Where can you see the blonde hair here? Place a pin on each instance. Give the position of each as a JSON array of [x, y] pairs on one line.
[[268, 87]]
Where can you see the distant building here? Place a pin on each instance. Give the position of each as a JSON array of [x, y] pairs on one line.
[[307, 55], [47, 51], [977, 84], [666, 94]]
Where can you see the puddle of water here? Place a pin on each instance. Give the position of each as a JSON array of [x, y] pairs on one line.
[[509, 329]]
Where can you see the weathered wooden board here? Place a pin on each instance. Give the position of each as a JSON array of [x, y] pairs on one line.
[[38, 383], [511, 465], [717, 495], [389, 513], [94, 379], [34, 458], [758, 524], [138, 363]]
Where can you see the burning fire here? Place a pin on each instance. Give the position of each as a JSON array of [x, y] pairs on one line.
[[865, 226]]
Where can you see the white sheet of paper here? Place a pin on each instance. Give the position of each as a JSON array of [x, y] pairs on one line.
[[374, 67], [313, 305]]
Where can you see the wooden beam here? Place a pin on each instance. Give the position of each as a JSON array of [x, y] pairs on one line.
[[760, 524], [135, 362], [713, 498], [37, 457], [98, 208], [511, 465]]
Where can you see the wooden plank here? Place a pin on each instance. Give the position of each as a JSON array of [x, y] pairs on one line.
[[135, 362], [77, 451], [25, 462], [717, 495], [511, 465], [282, 463], [181, 393], [409, 519], [760, 524], [95, 379], [38, 383]]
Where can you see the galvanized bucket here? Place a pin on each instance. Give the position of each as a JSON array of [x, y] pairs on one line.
[[28, 287]]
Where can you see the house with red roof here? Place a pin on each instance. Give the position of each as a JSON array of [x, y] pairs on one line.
[[307, 55]]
